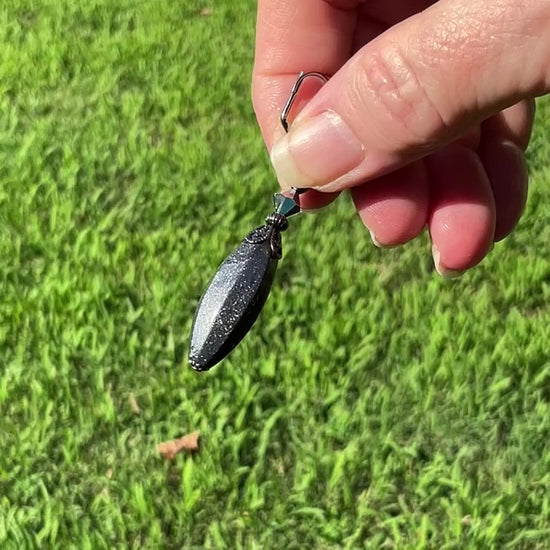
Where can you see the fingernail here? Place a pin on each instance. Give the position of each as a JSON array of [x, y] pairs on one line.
[[316, 152], [378, 244], [442, 270], [374, 240]]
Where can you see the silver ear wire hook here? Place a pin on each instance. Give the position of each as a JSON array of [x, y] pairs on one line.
[[288, 105], [294, 92]]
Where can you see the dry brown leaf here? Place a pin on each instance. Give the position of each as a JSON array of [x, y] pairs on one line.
[[133, 403], [206, 12], [188, 443]]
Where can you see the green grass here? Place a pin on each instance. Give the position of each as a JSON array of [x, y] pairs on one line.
[[374, 405]]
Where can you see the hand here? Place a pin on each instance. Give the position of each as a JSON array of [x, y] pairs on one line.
[[425, 118]]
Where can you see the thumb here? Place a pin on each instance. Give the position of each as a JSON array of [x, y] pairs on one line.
[[416, 88]]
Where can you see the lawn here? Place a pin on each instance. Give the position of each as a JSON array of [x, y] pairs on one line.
[[374, 405]]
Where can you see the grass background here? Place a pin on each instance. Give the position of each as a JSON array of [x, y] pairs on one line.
[[374, 405]]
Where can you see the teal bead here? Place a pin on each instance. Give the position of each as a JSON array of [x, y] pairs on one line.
[[285, 205]]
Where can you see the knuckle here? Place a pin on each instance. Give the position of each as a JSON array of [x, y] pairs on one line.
[[397, 97]]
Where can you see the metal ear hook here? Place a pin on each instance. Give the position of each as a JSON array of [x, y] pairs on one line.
[[294, 192], [294, 92]]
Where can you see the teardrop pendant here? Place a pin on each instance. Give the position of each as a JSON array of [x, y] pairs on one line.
[[236, 294]]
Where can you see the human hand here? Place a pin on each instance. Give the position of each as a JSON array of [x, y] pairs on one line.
[[425, 118]]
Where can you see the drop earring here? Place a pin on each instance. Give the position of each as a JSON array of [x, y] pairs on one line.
[[239, 289]]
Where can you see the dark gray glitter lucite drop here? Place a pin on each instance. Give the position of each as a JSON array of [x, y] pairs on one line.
[[239, 289]]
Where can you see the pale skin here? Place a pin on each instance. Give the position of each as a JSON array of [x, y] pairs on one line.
[[425, 119]]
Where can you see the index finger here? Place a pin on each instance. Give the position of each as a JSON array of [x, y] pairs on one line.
[[294, 36]]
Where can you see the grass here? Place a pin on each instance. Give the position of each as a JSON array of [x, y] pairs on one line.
[[373, 405]]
